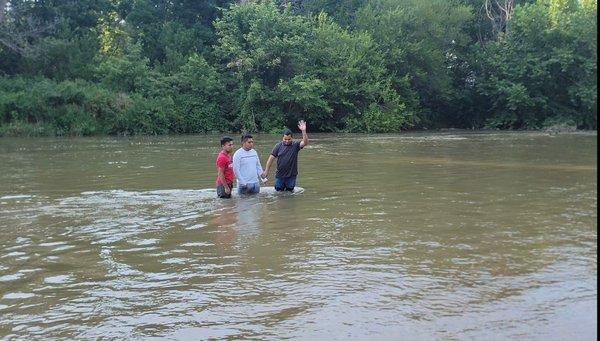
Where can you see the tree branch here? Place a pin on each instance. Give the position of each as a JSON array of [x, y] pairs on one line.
[[21, 41]]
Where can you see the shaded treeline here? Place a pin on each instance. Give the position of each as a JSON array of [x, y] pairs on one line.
[[83, 67]]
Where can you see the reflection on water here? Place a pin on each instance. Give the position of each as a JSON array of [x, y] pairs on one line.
[[414, 236]]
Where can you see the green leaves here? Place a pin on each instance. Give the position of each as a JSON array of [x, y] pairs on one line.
[[543, 68], [179, 66], [287, 67], [420, 41]]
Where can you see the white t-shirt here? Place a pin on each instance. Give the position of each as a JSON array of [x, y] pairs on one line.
[[246, 166]]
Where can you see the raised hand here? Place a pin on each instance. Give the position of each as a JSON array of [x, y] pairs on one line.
[[302, 125]]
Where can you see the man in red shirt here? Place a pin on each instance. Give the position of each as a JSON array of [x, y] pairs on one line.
[[225, 174]]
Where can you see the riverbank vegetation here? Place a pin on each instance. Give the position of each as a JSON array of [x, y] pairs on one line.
[[89, 67]]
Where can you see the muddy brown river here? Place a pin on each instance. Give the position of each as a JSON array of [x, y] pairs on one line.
[[416, 236]]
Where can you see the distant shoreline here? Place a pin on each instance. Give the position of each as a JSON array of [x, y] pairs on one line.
[[549, 131]]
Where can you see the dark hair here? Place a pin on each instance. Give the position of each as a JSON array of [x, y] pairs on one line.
[[286, 131], [225, 139], [245, 137]]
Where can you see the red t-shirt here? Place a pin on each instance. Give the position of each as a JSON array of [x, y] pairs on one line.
[[224, 161]]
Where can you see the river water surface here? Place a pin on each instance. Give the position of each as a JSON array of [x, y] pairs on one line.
[[415, 236]]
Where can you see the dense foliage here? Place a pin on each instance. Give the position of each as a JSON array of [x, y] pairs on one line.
[[85, 67]]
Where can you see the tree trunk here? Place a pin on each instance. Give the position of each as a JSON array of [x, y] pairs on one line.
[[499, 12]]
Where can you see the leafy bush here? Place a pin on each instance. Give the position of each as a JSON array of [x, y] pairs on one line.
[[542, 69]]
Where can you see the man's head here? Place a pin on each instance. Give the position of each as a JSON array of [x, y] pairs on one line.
[[287, 136], [247, 142], [226, 144]]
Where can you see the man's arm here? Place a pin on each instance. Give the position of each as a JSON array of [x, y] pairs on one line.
[[259, 169], [268, 166], [221, 176], [302, 127], [236, 167]]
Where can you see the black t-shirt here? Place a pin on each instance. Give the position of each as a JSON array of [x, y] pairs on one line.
[[287, 159]]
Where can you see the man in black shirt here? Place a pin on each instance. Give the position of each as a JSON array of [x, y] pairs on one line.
[[286, 153]]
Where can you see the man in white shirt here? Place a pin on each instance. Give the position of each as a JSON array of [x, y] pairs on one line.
[[247, 168]]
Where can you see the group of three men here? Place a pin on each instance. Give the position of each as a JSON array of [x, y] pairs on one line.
[[245, 164]]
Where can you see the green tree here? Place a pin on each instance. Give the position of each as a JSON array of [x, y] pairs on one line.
[[171, 30], [356, 87], [544, 69], [342, 11], [285, 67], [421, 42], [259, 48], [51, 38], [200, 98]]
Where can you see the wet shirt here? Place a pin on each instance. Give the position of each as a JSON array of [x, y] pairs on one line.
[[225, 162], [246, 166], [287, 159]]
